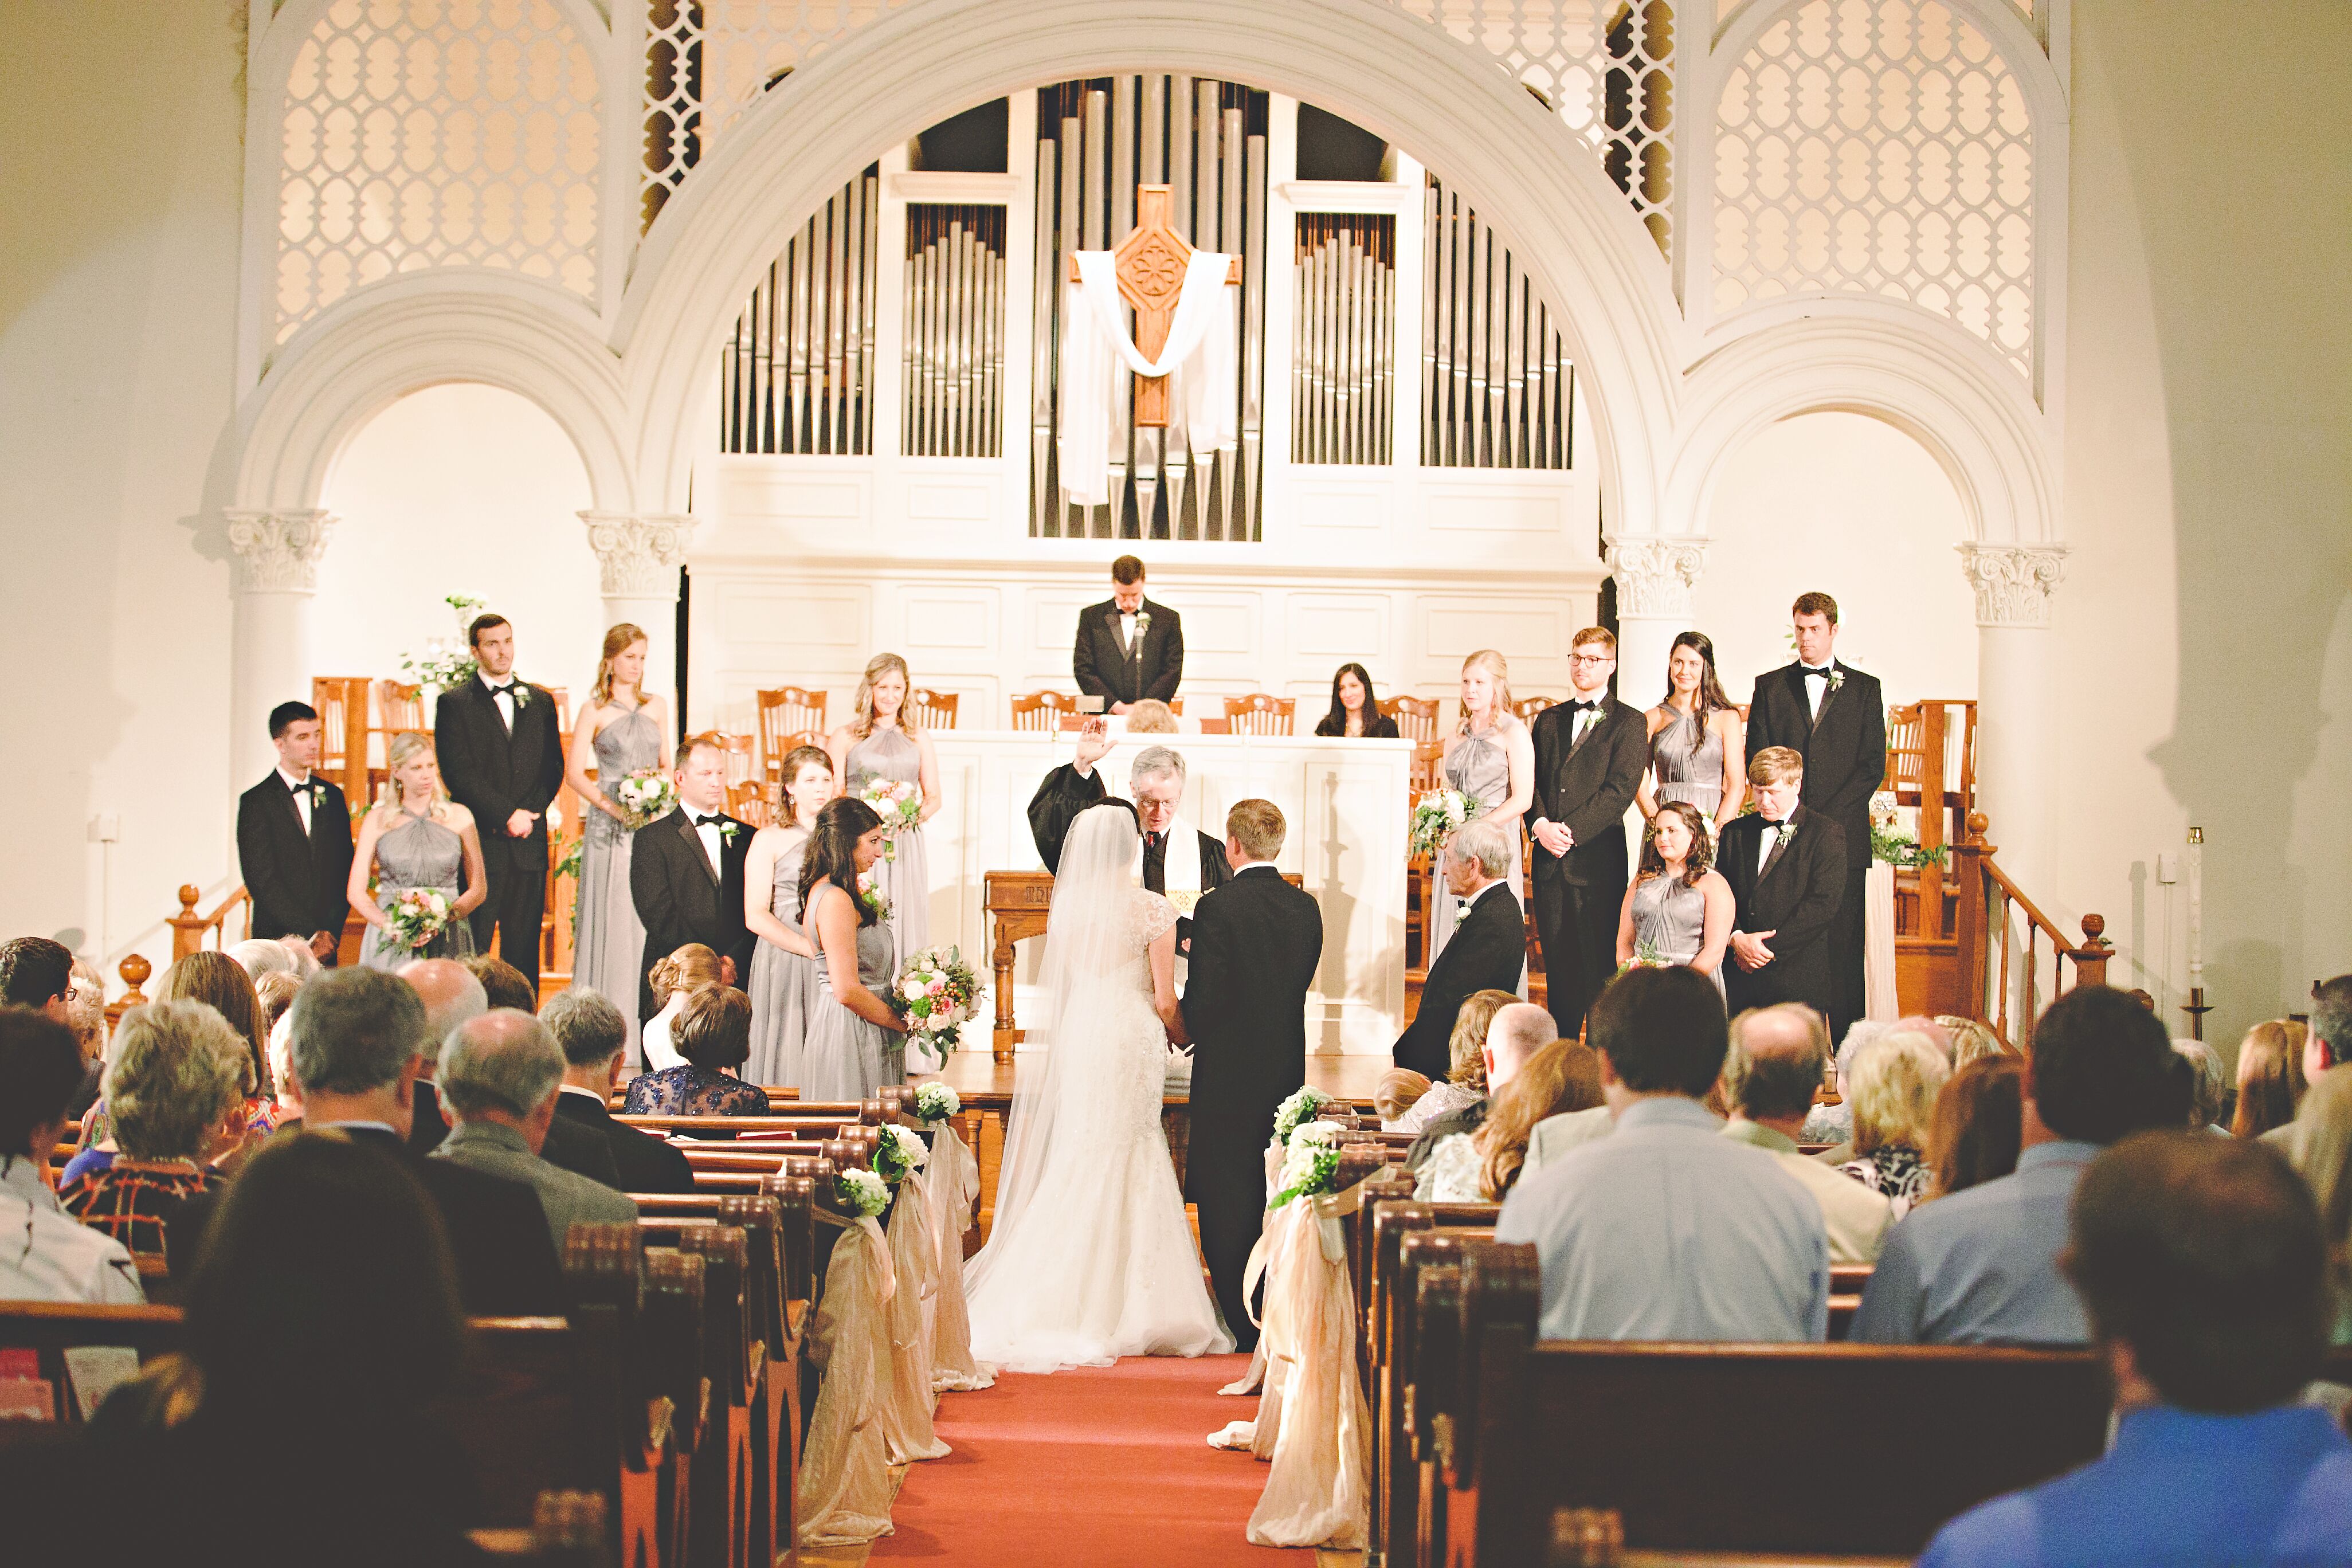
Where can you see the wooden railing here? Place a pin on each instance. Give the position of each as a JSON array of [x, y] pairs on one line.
[[2006, 994], [189, 929]]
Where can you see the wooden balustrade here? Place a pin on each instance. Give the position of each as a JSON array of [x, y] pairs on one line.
[[189, 929], [1992, 911]]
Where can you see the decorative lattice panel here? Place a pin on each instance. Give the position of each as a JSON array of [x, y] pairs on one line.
[[707, 61], [1880, 147], [1605, 66], [436, 133]]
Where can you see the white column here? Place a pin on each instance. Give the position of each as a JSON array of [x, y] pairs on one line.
[[641, 557], [1654, 578], [269, 662], [2016, 702]]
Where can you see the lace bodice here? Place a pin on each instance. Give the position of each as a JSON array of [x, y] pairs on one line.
[[1149, 915]]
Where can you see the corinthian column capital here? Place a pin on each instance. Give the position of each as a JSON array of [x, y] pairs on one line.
[[640, 556], [1656, 576], [2013, 582], [278, 551]]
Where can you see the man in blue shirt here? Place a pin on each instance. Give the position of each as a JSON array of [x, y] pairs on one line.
[[1665, 1229], [1980, 1266], [2201, 1264]]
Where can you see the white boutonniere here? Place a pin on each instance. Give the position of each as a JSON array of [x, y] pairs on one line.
[[1787, 829], [521, 694], [1461, 912], [1837, 679], [727, 830]]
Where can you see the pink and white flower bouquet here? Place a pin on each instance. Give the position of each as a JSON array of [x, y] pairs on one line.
[[418, 916], [900, 806], [937, 992]]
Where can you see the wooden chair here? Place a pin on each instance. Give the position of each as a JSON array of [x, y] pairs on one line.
[[1216, 726], [934, 709], [784, 712], [1261, 713], [1176, 706], [1527, 708], [399, 707], [1428, 764], [1416, 717], [342, 704], [1044, 710]]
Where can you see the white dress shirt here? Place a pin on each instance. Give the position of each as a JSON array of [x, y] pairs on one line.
[[1773, 835], [301, 790], [713, 846], [505, 699], [1817, 687], [1127, 630], [1585, 719], [50, 1255]]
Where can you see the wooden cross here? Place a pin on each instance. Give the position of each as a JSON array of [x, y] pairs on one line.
[[1151, 264]]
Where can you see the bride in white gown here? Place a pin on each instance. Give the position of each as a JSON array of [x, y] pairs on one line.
[[1090, 1257]]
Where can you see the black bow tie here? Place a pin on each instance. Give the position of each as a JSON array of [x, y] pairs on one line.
[[702, 821], [1593, 707], [1812, 674], [502, 690]]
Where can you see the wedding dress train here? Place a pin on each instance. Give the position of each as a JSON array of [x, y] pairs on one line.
[[1091, 1257]]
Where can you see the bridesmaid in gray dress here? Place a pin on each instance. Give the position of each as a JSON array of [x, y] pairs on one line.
[[415, 838], [854, 1043], [1492, 759], [620, 726], [785, 960], [880, 742], [1698, 751], [1680, 908]]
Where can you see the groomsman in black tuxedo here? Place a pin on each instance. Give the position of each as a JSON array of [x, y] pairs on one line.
[[1256, 944], [502, 758], [1589, 754], [1786, 866], [685, 873], [294, 840], [1129, 648], [1835, 719]]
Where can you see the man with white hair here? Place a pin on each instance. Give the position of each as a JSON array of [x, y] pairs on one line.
[[500, 1073], [1513, 1035], [453, 995], [1156, 779], [1487, 952]]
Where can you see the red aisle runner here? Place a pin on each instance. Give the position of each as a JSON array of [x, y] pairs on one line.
[[1090, 1468]]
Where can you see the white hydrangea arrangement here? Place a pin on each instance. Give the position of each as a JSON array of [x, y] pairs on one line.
[[1300, 1106], [1436, 815], [861, 1192], [900, 1154], [1311, 1161], [935, 1102]]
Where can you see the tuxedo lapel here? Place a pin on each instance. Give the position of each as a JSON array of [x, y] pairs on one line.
[[286, 793], [1829, 692], [694, 847], [1780, 845]]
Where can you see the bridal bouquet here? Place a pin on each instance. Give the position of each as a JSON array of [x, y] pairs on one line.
[[1310, 1163], [935, 1102], [900, 1154], [1300, 1108], [899, 802], [648, 796], [861, 1192], [936, 992], [418, 916], [1436, 815]]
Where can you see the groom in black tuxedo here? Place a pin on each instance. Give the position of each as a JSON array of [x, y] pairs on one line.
[[686, 872], [1129, 648], [1786, 866], [502, 758], [1256, 944], [1834, 718], [294, 840], [1589, 754]]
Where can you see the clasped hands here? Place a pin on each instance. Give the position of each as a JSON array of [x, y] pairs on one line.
[[519, 823], [1554, 837], [1749, 948]]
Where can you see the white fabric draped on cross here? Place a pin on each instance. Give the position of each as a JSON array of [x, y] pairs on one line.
[[1203, 354]]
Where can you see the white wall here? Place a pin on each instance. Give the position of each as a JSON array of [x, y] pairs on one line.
[[461, 488], [1855, 508]]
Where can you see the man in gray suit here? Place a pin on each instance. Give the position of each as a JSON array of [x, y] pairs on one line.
[[499, 1075]]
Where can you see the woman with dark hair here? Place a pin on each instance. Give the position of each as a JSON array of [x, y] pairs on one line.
[[1679, 909], [783, 959], [1979, 1125], [1355, 712], [855, 1043], [713, 1033], [1698, 749], [322, 1320]]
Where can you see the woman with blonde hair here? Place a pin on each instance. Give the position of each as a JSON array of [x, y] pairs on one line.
[[882, 742], [783, 956], [675, 978], [1972, 1039], [2270, 1077], [1895, 1082], [1491, 758], [619, 728], [1482, 1166], [1465, 1077], [2320, 1149], [415, 839]]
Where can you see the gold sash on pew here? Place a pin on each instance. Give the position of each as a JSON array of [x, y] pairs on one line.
[[845, 1489], [952, 1184]]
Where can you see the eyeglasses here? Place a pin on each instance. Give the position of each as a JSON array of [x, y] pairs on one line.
[[1592, 659]]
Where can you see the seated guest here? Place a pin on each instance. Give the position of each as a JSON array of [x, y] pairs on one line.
[[593, 1036], [2199, 1264], [691, 968], [2329, 1043], [1982, 1266], [36, 973], [1516, 1033], [2269, 1078], [451, 995], [1562, 1077], [215, 980], [1777, 1053], [1488, 950], [1895, 1082], [2320, 1148], [354, 1061], [1970, 1039], [1665, 1229], [500, 1074], [1979, 1120], [281, 1041], [1394, 1094], [321, 1327], [258, 957], [1152, 717], [2212, 1084], [1355, 712], [1465, 1084], [503, 984], [86, 1016], [175, 1096], [714, 1033], [49, 1256], [275, 992], [1834, 1124]]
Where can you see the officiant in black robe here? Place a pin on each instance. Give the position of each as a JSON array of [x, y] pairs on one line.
[[1157, 781]]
